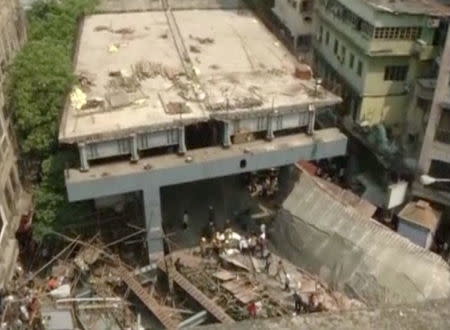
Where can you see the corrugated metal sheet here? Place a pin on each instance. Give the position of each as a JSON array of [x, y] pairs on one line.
[[354, 252]]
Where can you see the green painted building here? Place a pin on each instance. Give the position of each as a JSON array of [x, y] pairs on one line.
[[371, 52]]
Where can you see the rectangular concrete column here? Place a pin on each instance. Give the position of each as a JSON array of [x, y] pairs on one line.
[[181, 141], [226, 135], [270, 119], [84, 165], [312, 119], [153, 220], [134, 148], [440, 94]]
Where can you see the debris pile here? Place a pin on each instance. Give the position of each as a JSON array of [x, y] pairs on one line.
[[79, 285], [250, 283], [123, 31]]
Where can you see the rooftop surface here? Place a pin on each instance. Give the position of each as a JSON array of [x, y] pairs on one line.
[[413, 7], [422, 214], [146, 71]]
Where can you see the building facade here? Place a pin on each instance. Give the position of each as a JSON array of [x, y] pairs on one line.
[[432, 100], [13, 198], [372, 54], [297, 18]]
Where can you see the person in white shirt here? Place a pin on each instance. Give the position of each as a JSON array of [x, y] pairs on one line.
[[185, 220]]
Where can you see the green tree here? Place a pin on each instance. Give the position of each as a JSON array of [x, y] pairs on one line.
[[41, 77], [54, 212]]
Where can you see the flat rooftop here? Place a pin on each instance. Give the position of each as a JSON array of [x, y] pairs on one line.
[[147, 71], [412, 7]]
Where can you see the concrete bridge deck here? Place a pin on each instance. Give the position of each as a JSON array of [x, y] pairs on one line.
[[150, 174]]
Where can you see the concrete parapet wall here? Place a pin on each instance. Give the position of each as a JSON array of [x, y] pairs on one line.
[[112, 6]]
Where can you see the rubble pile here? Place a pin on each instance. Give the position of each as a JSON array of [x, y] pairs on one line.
[[77, 286]]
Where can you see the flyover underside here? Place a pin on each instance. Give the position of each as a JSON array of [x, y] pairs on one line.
[[150, 174]]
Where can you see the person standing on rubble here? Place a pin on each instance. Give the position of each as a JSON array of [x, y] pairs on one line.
[[267, 263], [252, 308], [252, 243], [287, 282], [243, 245], [280, 269], [203, 247], [185, 220], [211, 215], [297, 303]]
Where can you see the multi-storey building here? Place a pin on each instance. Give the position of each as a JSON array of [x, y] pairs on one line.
[[169, 97], [432, 100], [371, 52], [297, 19], [13, 199]]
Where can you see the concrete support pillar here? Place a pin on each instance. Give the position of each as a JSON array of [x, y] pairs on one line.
[[270, 123], [226, 135], [153, 222], [134, 149], [181, 141], [312, 119], [84, 165]]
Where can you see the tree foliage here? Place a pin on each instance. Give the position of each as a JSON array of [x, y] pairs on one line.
[[53, 211], [41, 77]]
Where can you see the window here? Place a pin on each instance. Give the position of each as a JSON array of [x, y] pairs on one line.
[[360, 68], [343, 52], [395, 72], [341, 12], [304, 41], [398, 33], [336, 46], [293, 3], [305, 5], [351, 62], [327, 38]]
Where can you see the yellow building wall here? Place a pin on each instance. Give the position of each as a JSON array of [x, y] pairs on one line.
[[389, 110]]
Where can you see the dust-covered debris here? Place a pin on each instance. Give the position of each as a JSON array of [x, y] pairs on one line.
[[177, 108], [203, 41], [99, 28], [124, 30], [148, 70], [194, 49]]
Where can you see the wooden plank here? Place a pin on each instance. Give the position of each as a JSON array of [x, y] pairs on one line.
[[158, 310], [224, 275], [235, 262], [245, 297], [199, 296], [233, 286]]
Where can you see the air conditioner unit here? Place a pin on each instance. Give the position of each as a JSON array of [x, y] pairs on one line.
[[433, 22]]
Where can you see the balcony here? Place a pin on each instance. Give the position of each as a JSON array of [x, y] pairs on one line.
[[371, 46]]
